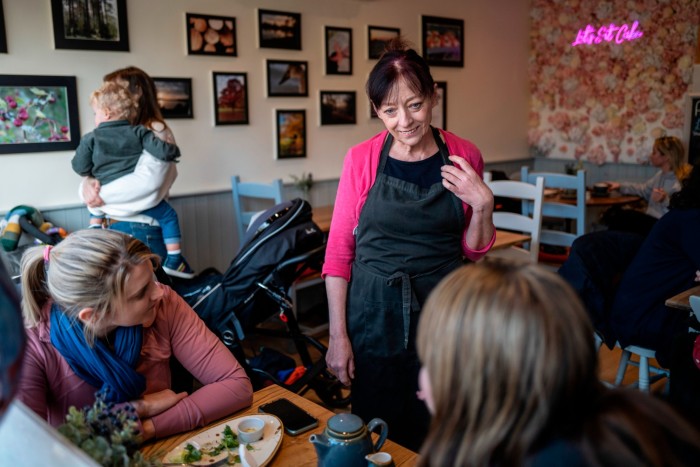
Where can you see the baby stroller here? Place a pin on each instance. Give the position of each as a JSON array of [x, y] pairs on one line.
[[280, 246]]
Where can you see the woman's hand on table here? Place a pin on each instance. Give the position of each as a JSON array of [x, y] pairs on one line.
[[612, 186], [91, 192], [157, 402], [340, 359], [462, 180]]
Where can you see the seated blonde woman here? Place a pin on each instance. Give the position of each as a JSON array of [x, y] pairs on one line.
[[98, 321], [510, 377]]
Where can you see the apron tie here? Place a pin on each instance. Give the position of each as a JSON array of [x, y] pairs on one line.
[[408, 301]]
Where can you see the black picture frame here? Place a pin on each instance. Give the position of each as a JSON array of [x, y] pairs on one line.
[[43, 112], [338, 57], [3, 36], [279, 29], [377, 37], [338, 107], [287, 78], [439, 119], [211, 35], [443, 41], [291, 133], [230, 98], [174, 97], [69, 30]]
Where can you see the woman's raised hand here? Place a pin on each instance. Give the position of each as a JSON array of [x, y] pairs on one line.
[[462, 180]]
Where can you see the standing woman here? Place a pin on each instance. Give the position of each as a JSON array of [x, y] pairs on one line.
[[153, 177], [97, 320], [411, 204]]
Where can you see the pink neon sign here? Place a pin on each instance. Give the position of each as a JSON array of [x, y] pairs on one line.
[[610, 33]]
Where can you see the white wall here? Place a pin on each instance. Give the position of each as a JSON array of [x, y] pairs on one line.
[[487, 99]]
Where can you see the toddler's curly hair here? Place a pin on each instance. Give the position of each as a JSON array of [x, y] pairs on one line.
[[116, 98]]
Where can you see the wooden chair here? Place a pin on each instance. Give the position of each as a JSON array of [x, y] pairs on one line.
[[519, 222], [557, 210], [648, 373], [251, 194]]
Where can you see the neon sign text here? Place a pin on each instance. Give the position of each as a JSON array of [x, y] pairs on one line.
[[619, 34]]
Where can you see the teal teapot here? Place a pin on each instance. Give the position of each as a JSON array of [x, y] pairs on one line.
[[346, 441]]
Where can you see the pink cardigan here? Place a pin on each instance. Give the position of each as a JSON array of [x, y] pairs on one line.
[[49, 387], [359, 173]]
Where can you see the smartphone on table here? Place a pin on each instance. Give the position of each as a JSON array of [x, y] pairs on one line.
[[295, 419]]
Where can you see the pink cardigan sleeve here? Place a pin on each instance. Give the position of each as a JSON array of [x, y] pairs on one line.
[[226, 387]]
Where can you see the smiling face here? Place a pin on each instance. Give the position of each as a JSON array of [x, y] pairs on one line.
[[141, 296], [407, 116]]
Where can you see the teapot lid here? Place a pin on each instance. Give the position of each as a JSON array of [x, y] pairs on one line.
[[345, 424]]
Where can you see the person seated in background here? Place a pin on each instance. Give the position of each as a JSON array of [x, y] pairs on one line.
[[97, 320], [668, 155], [113, 150], [664, 266], [509, 374]]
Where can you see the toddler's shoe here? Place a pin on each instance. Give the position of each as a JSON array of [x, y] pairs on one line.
[[175, 265]]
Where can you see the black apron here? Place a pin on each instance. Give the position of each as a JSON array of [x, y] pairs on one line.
[[407, 239]]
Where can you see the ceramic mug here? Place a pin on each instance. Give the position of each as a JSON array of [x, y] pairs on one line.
[[601, 189]]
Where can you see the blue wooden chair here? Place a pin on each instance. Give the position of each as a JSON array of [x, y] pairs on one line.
[[251, 194]]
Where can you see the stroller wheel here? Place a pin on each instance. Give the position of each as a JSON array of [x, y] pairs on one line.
[[331, 391]]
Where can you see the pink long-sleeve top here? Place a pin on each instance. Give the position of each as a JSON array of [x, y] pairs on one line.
[[359, 173], [49, 386]]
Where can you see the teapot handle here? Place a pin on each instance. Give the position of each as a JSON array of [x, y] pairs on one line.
[[372, 425]]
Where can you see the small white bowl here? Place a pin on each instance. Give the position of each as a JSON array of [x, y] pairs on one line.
[[250, 430]]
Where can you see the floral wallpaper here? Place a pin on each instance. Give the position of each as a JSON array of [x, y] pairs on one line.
[[608, 101]]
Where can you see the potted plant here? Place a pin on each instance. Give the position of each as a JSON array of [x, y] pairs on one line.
[[303, 183]]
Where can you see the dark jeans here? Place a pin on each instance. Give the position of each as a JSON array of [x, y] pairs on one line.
[[151, 235]]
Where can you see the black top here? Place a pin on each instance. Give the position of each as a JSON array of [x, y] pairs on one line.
[[423, 173]]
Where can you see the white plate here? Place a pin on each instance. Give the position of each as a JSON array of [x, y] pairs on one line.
[[263, 450]]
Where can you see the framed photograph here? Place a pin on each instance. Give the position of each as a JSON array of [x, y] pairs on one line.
[[40, 113], [377, 37], [287, 78], [338, 108], [3, 37], [230, 98], [90, 25], [338, 51], [440, 110], [291, 133], [443, 41], [211, 35], [279, 29], [174, 97]]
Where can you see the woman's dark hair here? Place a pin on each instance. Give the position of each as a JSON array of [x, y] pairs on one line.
[[141, 85], [689, 195], [399, 62]]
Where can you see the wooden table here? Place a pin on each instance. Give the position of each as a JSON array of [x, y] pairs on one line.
[[321, 215], [682, 300], [614, 199], [295, 450], [505, 239]]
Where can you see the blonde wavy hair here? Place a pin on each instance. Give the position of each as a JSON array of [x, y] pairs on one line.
[[115, 97], [505, 347], [88, 269], [672, 147]]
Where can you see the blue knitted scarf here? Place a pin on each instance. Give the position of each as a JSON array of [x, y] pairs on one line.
[[112, 372]]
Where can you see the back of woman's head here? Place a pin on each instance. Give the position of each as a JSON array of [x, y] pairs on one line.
[[689, 195], [510, 356], [142, 86], [399, 62], [88, 269]]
